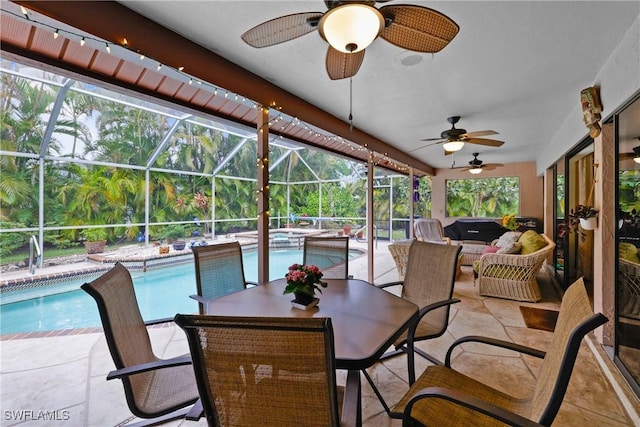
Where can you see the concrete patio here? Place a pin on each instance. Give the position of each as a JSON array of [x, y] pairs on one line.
[[60, 380]]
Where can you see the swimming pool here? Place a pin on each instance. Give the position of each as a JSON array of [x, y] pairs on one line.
[[161, 293]]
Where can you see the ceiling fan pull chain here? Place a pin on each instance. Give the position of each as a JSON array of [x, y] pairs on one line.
[[350, 103]]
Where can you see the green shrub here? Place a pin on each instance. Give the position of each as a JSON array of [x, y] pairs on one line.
[[9, 242], [95, 234], [174, 231]]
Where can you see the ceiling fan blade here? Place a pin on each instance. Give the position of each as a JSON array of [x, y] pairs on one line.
[[492, 166], [418, 28], [282, 29], [480, 133], [342, 65], [484, 141], [432, 139], [626, 156]]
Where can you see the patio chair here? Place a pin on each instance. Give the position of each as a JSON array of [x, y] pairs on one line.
[[331, 254], [156, 389], [443, 396], [219, 272], [257, 371], [430, 230], [428, 283]]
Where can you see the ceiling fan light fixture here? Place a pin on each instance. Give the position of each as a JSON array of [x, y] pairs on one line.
[[475, 171], [453, 145], [636, 159], [351, 27]]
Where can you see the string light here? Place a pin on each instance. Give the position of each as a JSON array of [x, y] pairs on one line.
[[287, 123]]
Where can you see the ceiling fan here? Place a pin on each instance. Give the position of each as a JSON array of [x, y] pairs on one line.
[[350, 26], [454, 139], [476, 165], [635, 155]]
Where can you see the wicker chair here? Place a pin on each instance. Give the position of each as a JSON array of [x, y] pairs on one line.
[[443, 396], [219, 272], [513, 276], [155, 389], [428, 283], [629, 299], [331, 252], [399, 251], [279, 372]]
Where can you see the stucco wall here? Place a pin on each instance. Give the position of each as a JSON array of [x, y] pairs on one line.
[[618, 80], [531, 189]]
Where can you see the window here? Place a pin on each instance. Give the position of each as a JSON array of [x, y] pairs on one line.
[[484, 197]]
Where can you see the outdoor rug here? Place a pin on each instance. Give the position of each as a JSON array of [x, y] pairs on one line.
[[539, 318]]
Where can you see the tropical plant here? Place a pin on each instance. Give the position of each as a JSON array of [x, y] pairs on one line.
[[484, 197]]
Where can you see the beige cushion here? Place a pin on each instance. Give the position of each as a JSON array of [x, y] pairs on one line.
[[508, 238], [531, 242], [511, 248], [629, 252]]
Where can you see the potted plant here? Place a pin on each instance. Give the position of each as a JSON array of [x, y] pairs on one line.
[[174, 233], [586, 216], [303, 281], [509, 222], [95, 240]]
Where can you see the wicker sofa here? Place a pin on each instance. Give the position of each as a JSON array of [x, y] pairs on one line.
[[512, 276]]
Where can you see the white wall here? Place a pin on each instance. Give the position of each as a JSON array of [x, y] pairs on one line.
[[618, 80]]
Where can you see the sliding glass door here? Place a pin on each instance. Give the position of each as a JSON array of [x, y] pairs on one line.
[[627, 327]]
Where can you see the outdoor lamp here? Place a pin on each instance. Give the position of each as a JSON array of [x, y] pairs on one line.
[[475, 171], [351, 27], [453, 146]]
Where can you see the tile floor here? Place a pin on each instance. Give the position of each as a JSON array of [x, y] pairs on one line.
[[65, 375]]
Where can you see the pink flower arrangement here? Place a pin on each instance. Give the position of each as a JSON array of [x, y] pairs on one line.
[[304, 279]]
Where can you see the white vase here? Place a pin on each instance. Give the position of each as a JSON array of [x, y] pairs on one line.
[[589, 223]]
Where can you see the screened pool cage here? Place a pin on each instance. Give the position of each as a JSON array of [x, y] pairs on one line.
[[82, 162]]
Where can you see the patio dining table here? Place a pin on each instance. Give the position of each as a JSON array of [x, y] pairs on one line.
[[366, 320]]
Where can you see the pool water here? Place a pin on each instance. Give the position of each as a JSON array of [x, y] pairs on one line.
[[160, 293]]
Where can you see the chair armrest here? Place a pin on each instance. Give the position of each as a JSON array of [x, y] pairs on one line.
[[447, 240], [469, 402], [201, 300], [495, 342], [351, 403], [196, 412], [150, 366], [386, 285], [427, 308]]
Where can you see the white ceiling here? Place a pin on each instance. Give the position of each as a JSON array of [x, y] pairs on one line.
[[515, 67]]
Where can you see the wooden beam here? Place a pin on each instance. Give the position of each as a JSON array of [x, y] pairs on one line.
[[114, 22]]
